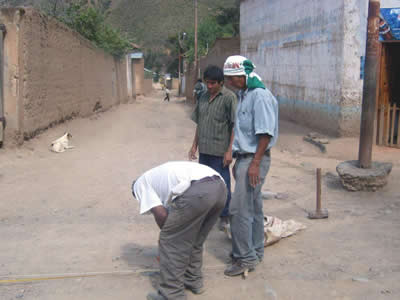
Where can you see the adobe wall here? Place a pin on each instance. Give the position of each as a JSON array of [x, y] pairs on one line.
[[309, 54], [175, 83], [147, 86], [138, 75], [217, 55], [53, 74]]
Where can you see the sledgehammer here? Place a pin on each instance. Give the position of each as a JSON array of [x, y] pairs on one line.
[[319, 212]]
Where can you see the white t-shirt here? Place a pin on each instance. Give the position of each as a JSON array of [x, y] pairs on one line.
[[164, 183]]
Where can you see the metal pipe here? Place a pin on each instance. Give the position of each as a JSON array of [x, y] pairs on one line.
[[370, 86]]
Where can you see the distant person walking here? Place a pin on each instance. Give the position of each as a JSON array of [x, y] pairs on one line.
[[199, 89], [167, 92]]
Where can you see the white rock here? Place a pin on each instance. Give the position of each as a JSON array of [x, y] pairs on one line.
[[267, 195]]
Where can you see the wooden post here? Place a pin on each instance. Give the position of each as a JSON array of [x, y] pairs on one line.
[[318, 207], [392, 118], [195, 39], [370, 83], [179, 72]]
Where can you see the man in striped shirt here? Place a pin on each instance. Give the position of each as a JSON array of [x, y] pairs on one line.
[[214, 115]]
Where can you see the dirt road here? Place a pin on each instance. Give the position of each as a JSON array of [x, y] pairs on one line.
[[71, 214]]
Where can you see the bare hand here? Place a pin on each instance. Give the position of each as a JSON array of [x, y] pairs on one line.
[[192, 153], [227, 158], [254, 174], [160, 214]]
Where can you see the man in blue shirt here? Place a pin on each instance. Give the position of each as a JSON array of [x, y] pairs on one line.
[[255, 132]]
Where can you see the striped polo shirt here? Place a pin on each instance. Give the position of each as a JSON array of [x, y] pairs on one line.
[[215, 121]]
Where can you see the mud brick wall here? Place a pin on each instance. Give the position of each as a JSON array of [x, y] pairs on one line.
[[52, 74]]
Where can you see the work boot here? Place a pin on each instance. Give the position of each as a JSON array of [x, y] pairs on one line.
[[155, 296], [238, 268], [232, 260], [195, 290]]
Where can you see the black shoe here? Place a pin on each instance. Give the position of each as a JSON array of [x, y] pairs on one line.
[[155, 296], [195, 290], [238, 268], [233, 261]]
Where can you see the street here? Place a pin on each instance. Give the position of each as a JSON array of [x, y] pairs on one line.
[[65, 216]]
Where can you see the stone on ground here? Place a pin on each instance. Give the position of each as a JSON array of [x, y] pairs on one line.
[[358, 179]]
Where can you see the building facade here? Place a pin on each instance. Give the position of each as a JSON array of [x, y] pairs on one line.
[[310, 54]]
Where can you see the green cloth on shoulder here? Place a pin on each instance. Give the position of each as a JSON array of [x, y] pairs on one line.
[[253, 80]]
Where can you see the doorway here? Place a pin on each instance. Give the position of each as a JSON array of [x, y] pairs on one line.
[[388, 112]]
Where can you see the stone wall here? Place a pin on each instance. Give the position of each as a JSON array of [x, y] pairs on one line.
[[309, 54], [53, 74]]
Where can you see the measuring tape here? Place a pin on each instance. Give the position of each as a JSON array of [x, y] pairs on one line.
[[45, 277], [31, 278]]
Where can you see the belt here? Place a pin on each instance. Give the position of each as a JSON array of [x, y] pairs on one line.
[[205, 179], [245, 155]]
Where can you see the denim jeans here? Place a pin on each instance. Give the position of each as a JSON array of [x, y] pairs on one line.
[[217, 163], [246, 213]]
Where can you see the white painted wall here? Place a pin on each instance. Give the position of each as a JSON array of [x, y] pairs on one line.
[[309, 52], [390, 3]]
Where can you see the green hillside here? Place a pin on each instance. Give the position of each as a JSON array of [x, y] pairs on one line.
[[150, 22]]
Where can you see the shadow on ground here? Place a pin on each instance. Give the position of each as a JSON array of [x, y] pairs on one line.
[[144, 258], [333, 181]]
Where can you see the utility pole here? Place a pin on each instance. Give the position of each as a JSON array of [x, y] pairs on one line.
[[195, 38], [179, 66], [180, 47], [364, 175], [2, 118], [370, 86]]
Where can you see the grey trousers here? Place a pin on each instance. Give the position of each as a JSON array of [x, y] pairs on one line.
[[190, 219], [246, 213]]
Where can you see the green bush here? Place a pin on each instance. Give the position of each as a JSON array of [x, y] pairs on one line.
[[223, 23], [90, 23]]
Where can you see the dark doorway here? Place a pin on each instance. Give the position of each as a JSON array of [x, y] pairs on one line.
[[388, 126]]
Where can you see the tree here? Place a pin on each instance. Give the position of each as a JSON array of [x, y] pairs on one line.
[[223, 23], [89, 21], [229, 18]]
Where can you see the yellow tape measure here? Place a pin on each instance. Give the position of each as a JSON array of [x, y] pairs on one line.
[[31, 278]]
